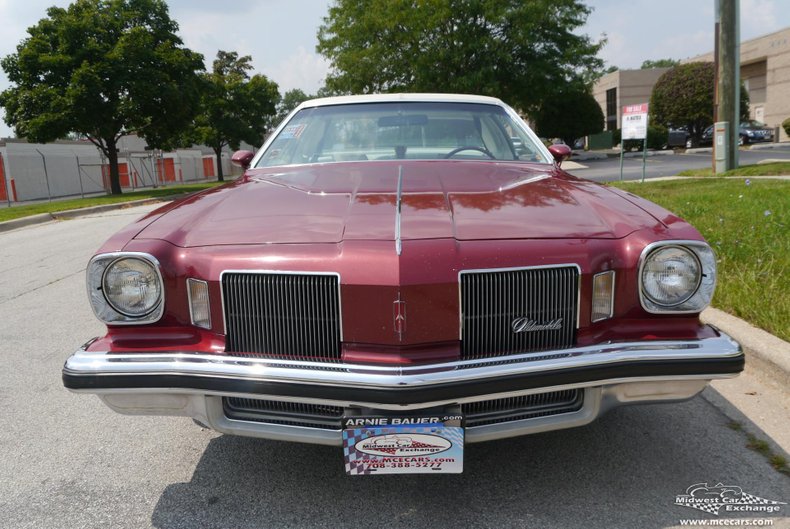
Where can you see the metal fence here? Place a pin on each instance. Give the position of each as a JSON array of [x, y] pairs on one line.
[[34, 172]]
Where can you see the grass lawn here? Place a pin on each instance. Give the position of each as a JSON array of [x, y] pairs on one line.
[[764, 169], [748, 226], [16, 212]]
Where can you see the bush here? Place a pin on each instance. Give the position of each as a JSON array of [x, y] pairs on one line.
[[657, 137], [683, 96], [786, 126], [570, 114]]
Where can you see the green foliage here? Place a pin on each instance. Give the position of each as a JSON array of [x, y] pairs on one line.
[[657, 136], [234, 106], [569, 115], [290, 100], [659, 63], [522, 52], [102, 68], [683, 96], [786, 126], [54, 207], [760, 169]]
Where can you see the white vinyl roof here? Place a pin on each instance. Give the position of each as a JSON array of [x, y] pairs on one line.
[[394, 98]]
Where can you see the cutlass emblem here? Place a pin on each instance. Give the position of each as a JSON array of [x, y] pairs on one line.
[[528, 325], [399, 317]]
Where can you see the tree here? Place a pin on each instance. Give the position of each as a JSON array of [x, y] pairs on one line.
[[683, 97], [290, 100], [104, 69], [522, 52], [659, 63], [235, 107], [569, 115]]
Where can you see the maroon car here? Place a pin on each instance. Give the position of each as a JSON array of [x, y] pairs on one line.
[[399, 275]]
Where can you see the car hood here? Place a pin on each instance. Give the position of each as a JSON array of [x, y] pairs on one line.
[[465, 200]]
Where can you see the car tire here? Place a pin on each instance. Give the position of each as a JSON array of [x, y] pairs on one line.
[[742, 140]]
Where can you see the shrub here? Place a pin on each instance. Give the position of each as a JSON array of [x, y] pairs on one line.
[[786, 126], [683, 96]]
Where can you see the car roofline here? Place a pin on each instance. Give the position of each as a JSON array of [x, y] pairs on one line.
[[394, 98]]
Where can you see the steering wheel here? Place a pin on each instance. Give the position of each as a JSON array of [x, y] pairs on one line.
[[470, 148]]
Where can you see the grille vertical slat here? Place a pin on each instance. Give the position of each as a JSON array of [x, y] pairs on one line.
[[291, 315], [492, 300]]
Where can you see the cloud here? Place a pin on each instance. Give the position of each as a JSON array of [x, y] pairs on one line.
[[301, 69], [759, 17]]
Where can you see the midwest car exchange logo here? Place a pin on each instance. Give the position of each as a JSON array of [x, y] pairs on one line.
[[726, 499]]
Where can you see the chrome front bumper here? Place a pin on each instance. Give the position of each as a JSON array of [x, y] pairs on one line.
[[192, 384]]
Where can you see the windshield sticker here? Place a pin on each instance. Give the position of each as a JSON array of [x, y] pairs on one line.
[[292, 131]]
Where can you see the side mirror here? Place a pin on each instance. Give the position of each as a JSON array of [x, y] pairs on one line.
[[560, 152], [242, 158]]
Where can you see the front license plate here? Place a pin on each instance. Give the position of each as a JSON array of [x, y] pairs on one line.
[[403, 445]]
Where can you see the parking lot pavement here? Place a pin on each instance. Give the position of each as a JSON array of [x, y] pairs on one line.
[[608, 170], [67, 461]]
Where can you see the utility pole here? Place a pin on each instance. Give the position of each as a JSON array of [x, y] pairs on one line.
[[728, 82]]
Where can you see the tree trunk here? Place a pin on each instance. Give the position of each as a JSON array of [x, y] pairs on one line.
[[115, 177], [220, 176]]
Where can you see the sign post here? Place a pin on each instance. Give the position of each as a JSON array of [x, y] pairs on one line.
[[634, 128]]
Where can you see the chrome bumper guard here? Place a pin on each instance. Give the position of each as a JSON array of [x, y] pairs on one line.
[[193, 384]]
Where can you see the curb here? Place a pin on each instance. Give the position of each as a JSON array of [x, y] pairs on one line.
[[699, 150], [767, 146], [764, 351], [41, 218]]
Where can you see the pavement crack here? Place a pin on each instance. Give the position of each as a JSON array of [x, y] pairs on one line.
[[54, 281]]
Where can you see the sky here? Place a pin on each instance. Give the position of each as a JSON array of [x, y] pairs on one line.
[[280, 35]]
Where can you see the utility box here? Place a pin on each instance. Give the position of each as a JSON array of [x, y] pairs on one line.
[[721, 144]]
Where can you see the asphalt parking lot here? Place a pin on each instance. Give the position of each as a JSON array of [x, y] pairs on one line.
[[67, 461], [666, 164]]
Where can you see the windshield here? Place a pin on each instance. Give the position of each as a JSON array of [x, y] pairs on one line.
[[401, 130], [752, 124]]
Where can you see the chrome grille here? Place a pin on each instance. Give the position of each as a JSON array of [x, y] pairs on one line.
[[287, 413], [524, 407], [475, 413], [492, 300], [284, 315]]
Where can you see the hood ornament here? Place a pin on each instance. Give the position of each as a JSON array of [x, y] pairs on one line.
[[527, 325]]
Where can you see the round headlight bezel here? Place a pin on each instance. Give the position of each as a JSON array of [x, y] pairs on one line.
[[114, 304], [705, 286], [103, 308]]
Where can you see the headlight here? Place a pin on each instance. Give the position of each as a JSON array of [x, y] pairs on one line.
[[132, 286], [677, 277], [670, 276], [125, 288]]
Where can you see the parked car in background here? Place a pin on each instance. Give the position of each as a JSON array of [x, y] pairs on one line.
[[400, 275], [753, 131], [750, 131]]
